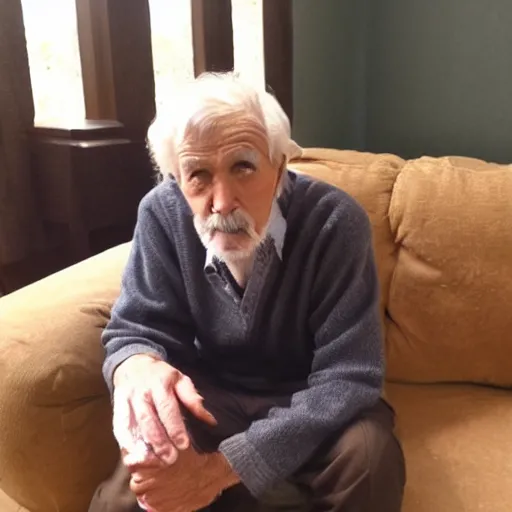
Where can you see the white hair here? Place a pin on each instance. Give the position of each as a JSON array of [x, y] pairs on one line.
[[200, 104]]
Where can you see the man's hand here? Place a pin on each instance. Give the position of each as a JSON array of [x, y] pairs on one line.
[[147, 419], [191, 483]]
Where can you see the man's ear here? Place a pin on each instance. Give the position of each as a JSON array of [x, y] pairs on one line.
[[280, 171], [282, 168]]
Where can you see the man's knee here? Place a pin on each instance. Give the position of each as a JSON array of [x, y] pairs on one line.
[[114, 495], [378, 442], [369, 452], [363, 469]]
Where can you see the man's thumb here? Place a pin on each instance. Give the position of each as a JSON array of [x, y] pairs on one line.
[[192, 400]]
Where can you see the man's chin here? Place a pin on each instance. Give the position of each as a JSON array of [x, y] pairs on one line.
[[233, 255], [229, 249]]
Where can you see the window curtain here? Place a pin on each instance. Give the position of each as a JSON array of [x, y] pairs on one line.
[[19, 230]]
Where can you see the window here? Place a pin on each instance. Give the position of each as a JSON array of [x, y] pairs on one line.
[[248, 39], [173, 56], [171, 37], [54, 59]]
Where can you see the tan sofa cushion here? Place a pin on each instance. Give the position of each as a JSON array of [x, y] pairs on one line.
[[55, 422], [450, 303], [7, 504], [369, 179], [457, 445]]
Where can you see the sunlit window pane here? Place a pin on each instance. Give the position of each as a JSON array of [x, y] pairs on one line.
[[54, 59], [248, 39], [171, 34]]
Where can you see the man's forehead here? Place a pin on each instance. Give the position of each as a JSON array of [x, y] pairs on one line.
[[241, 138], [190, 156]]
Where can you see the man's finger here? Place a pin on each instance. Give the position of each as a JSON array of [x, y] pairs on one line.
[[151, 428], [192, 400], [141, 483], [168, 410], [124, 422]]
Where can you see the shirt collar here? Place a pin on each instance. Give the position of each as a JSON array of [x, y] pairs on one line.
[[276, 231]]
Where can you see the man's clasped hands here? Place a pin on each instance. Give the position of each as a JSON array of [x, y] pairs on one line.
[[167, 473]]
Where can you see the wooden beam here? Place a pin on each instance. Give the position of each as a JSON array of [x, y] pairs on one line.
[[278, 51], [132, 59], [117, 62], [212, 35], [20, 229], [96, 59]]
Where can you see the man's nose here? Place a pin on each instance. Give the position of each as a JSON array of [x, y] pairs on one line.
[[223, 201]]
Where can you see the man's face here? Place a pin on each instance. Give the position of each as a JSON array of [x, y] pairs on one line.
[[229, 182]]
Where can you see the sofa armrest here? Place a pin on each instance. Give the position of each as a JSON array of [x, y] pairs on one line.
[[56, 441]]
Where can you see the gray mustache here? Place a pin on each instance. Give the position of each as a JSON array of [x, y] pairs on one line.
[[234, 222]]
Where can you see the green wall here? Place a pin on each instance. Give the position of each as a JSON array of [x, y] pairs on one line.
[[410, 77], [329, 72]]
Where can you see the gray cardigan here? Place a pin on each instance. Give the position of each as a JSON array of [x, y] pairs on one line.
[[306, 324]]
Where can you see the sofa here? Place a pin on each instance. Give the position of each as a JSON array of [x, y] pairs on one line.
[[443, 242]]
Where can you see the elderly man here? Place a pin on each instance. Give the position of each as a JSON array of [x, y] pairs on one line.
[[245, 348]]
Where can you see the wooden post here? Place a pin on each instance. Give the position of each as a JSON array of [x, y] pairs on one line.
[[20, 229], [278, 50], [212, 35], [96, 59], [117, 62]]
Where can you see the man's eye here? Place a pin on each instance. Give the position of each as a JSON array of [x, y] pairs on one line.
[[245, 166], [199, 175]]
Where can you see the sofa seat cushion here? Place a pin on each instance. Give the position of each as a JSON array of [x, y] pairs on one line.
[[458, 447]]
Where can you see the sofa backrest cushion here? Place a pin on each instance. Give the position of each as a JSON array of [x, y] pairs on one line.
[[450, 300], [443, 243]]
